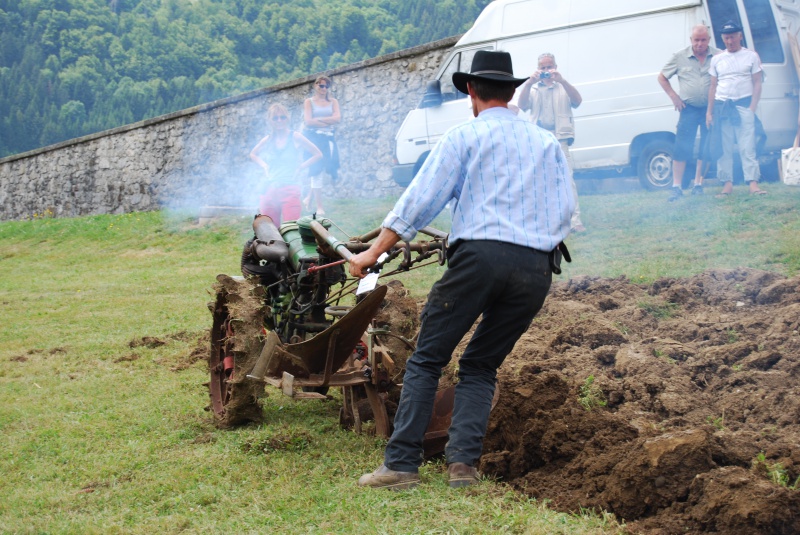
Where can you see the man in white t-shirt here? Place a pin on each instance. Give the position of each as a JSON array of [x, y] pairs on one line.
[[733, 96]]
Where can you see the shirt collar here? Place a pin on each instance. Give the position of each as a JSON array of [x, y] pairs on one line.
[[496, 111], [690, 53]]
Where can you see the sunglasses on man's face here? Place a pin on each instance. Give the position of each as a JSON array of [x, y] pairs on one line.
[[279, 118], [323, 86]]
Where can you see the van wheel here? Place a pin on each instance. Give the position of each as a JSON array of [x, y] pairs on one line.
[[655, 165]]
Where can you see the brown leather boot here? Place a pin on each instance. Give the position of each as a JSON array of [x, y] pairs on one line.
[[384, 478], [462, 475]]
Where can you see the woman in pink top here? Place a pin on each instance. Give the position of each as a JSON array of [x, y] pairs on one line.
[[281, 154]]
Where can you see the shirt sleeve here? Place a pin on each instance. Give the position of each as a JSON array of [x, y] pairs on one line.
[[756, 63], [434, 185], [712, 69], [535, 109], [671, 67], [530, 97], [565, 180]]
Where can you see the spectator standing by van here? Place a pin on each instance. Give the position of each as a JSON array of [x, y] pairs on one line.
[[320, 114], [550, 99], [512, 203], [691, 64], [733, 96], [280, 155]]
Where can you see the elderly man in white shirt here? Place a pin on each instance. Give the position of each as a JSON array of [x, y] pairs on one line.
[[733, 96], [509, 184]]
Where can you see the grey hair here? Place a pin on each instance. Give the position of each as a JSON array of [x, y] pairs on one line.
[[546, 55]]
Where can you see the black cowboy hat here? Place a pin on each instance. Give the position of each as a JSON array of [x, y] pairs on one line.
[[488, 65], [730, 27]]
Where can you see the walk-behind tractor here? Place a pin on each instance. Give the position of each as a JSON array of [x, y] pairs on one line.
[[296, 322]]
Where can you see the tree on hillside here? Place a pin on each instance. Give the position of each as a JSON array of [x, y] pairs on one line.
[[72, 67]]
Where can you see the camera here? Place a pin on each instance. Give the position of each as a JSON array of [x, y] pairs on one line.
[[545, 74]]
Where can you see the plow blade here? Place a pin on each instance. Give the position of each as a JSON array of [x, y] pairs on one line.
[[326, 352], [315, 362]]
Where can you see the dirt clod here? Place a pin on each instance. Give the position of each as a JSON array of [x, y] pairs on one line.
[[150, 342], [699, 375]]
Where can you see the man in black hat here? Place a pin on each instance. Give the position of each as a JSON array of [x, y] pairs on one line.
[[511, 201], [733, 96]]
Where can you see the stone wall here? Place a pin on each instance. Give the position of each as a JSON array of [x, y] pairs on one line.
[[199, 156]]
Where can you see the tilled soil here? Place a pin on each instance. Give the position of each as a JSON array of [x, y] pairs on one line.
[[674, 406]]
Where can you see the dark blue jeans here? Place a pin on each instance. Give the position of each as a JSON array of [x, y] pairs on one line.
[[691, 118], [506, 283]]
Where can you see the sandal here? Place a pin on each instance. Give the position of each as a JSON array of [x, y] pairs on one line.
[[723, 195], [758, 192]]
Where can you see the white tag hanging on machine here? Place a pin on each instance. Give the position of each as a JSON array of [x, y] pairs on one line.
[[368, 283]]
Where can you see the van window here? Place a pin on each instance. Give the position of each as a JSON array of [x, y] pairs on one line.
[[766, 40], [449, 91], [722, 11], [460, 62]]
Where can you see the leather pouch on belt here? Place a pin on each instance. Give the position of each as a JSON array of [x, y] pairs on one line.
[[556, 255]]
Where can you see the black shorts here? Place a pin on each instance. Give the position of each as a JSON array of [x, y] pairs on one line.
[[692, 118]]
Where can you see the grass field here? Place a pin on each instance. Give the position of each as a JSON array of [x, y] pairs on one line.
[[101, 433]]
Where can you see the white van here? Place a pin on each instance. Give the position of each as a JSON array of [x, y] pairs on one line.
[[612, 53]]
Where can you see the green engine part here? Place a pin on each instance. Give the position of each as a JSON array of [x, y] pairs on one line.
[[300, 237]]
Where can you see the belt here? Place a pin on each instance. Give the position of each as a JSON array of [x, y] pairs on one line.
[[321, 132], [743, 102]]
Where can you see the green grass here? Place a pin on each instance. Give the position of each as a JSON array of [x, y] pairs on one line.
[[642, 236], [97, 436]]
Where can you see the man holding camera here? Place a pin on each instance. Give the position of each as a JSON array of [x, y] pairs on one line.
[[691, 65], [550, 99]]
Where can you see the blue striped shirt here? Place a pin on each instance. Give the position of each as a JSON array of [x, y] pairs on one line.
[[508, 179]]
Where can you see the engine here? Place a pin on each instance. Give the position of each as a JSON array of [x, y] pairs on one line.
[[287, 262]]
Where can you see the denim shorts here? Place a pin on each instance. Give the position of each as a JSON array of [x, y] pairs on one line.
[[692, 118]]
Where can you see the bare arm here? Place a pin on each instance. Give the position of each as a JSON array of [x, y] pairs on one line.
[[362, 261], [524, 101], [757, 83], [712, 94], [254, 154], [308, 115], [574, 97], [333, 119], [310, 120], [673, 96], [316, 154]]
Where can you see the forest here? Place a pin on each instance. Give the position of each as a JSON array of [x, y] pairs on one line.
[[69, 68]]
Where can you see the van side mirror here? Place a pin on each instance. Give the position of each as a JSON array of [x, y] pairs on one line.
[[432, 96]]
